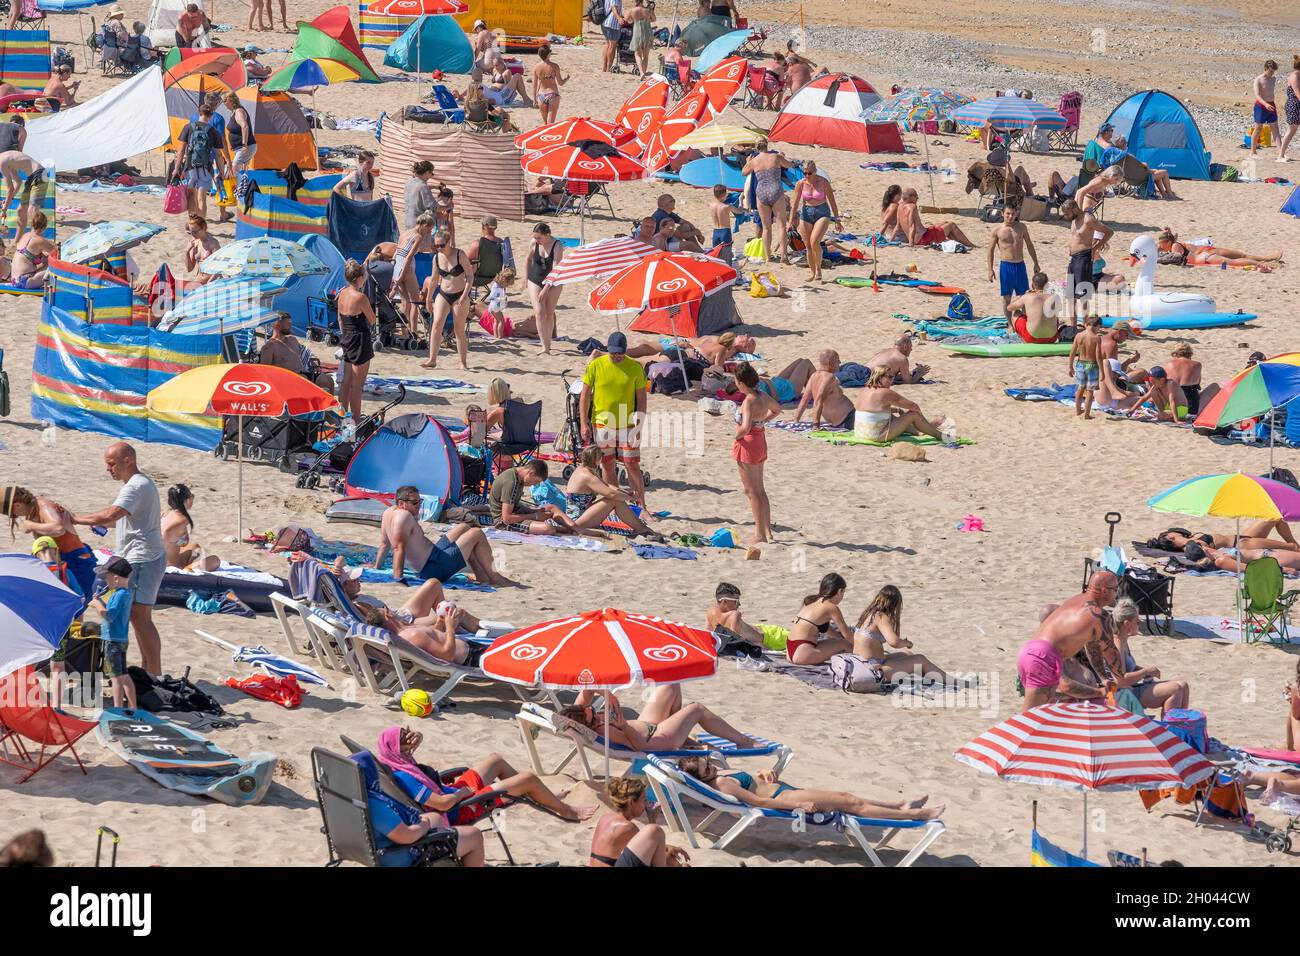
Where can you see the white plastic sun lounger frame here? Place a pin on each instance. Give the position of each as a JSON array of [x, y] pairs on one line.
[[319, 643], [671, 786], [534, 717]]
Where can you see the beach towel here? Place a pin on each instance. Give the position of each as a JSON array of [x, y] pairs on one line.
[[847, 438], [357, 227], [654, 551], [562, 542], [1223, 630], [380, 386], [99, 186], [802, 428], [990, 329]]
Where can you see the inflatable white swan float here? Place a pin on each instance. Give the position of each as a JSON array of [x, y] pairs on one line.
[[1145, 302]]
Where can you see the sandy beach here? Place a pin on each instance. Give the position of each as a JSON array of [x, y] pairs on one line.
[[1039, 477]]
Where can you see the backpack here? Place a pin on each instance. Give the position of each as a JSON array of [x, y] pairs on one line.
[[596, 12], [198, 148], [853, 674], [959, 307]]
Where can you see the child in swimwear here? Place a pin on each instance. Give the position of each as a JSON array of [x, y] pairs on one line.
[[722, 214], [1084, 366]]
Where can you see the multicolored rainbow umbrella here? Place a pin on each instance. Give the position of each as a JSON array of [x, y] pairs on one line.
[[1230, 496], [309, 73], [916, 105], [1254, 391]]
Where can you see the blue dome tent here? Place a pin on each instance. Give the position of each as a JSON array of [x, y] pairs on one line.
[[1292, 204], [431, 43], [411, 449], [1161, 133]]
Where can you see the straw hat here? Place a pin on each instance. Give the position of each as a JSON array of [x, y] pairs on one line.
[[115, 12]]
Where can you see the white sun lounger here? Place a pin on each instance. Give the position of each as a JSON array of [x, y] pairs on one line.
[[672, 785], [535, 718]]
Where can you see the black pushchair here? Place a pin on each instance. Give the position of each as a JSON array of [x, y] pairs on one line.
[[334, 460], [569, 442]]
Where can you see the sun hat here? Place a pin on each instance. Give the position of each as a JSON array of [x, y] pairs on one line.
[[115, 565]]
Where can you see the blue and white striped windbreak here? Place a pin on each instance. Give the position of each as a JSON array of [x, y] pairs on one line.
[[1008, 112], [36, 609]]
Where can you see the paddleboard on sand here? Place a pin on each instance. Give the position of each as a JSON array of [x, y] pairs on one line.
[[1010, 349], [1199, 320], [180, 759]]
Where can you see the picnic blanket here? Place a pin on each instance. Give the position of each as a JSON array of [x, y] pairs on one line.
[[562, 542], [848, 438], [379, 385]]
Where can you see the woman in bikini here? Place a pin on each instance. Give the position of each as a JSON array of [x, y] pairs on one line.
[[544, 253], [749, 449], [360, 183], [765, 789], [1257, 534], [883, 414], [176, 526], [659, 727], [32, 256], [547, 80], [447, 291], [1211, 255], [882, 623], [767, 166], [889, 230], [590, 500], [618, 841], [404, 281], [807, 643], [815, 208]]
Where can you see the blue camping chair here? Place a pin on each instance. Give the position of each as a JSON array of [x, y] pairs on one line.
[[447, 103]]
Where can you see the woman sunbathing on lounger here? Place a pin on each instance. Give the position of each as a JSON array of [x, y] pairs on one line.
[[1121, 624], [618, 841], [664, 724], [396, 750], [765, 789], [591, 500], [807, 642], [882, 414], [435, 635], [1212, 255], [882, 623]]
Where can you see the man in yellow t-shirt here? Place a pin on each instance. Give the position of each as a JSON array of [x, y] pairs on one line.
[[614, 399]]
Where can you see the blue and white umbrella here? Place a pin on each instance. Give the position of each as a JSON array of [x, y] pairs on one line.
[[36, 609], [719, 49], [105, 238], [1008, 112], [224, 307], [263, 257], [277, 665]]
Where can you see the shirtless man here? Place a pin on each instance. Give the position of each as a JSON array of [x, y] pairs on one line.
[[897, 359], [1166, 396], [1085, 368], [1071, 626], [645, 231], [434, 634], [1108, 350], [1265, 87], [14, 165], [1087, 236], [1032, 316], [724, 617], [400, 533], [59, 87], [916, 231], [798, 74], [829, 403], [1009, 240], [547, 80]]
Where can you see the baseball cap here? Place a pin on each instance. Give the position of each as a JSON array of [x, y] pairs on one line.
[[489, 221], [1104, 127], [1157, 372], [352, 574], [43, 542], [118, 565], [617, 343]]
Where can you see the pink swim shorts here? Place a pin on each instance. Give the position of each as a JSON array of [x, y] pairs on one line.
[[1038, 665]]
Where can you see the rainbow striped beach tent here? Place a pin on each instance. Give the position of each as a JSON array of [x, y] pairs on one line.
[[281, 218], [25, 58]]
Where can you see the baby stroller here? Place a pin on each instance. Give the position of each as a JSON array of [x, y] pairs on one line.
[[393, 333], [335, 458], [569, 443]]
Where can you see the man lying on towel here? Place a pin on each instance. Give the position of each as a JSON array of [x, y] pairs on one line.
[[463, 545], [1032, 316]]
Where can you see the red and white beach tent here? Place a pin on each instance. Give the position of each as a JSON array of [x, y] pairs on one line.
[[828, 112]]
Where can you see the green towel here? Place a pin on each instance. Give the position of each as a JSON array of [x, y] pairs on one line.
[[848, 438]]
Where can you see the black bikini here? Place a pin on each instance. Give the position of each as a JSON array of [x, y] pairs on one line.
[[459, 270]]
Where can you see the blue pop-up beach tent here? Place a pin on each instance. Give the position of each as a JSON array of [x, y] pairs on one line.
[[1161, 133], [431, 43], [1292, 204]]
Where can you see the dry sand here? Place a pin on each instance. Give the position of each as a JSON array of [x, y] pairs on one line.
[[1040, 478]]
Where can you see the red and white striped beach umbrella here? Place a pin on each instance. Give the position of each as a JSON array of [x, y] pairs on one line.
[[660, 281], [645, 108], [700, 106], [573, 130], [1081, 745], [416, 8], [605, 649], [599, 259], [585, 160]]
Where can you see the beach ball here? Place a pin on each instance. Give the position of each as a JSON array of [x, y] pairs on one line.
[[416, 703]]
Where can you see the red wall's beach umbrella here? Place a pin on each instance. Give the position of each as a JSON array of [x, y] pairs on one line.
[[662, 280], [583, 160], [416, 8], [645, 108], [573, 130]]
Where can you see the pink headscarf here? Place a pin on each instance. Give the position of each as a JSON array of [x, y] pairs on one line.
[[390, 755]]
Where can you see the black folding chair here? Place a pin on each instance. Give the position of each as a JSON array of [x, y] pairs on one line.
[[1152, 591], [519, 432], [345, 816]]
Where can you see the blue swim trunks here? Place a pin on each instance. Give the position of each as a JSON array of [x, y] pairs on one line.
[[445, 560], [1014, 278], [721, 237], [1264, 116], [1086, 375]]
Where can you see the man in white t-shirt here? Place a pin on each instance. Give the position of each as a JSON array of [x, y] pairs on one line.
[[137, 512]]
